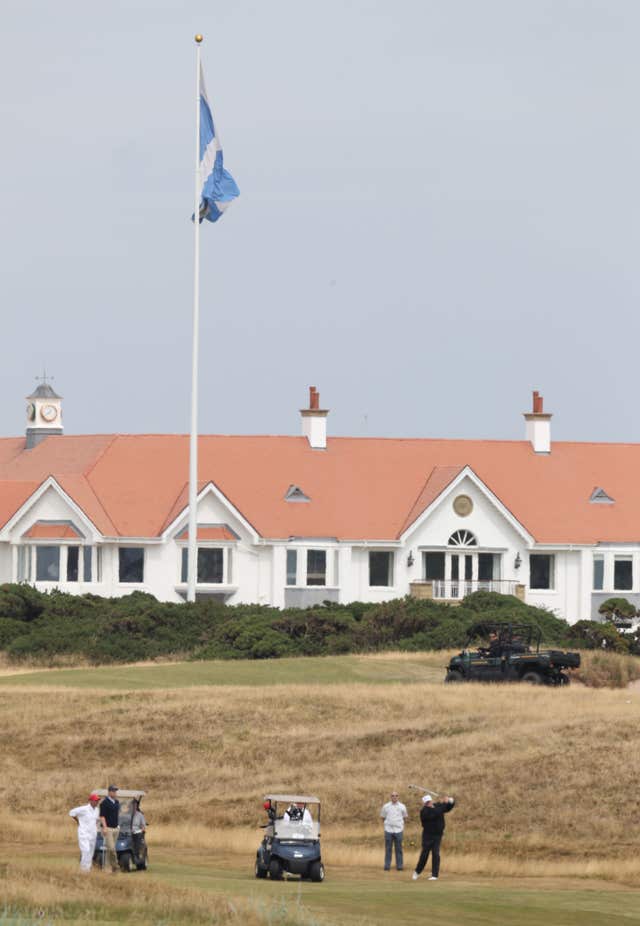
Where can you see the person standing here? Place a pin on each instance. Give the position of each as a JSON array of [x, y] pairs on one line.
[[394, 814], [432, 819], [138, 829], [86, 817], [109, 813]]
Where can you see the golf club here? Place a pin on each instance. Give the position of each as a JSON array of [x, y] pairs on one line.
[[424, 790]]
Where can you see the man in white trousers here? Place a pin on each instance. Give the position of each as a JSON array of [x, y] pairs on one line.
[[86, 816]]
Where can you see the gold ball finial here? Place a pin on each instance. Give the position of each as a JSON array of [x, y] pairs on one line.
[[199, 38]]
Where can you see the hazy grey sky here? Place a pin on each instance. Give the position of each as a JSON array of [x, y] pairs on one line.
[[439, 213]]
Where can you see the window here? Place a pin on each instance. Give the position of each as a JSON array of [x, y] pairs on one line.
[[434, 566], [316, 567], [210, 565], [380, 568], [462, 539], [47, 564], [541, 570], [130, 564], [598, 572], [24, 563], [622, 573], [73, 559], [292, 567], [86, 556], [485, 567]]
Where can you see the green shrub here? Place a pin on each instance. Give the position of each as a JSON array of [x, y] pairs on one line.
[[137, 626], [9, 630]]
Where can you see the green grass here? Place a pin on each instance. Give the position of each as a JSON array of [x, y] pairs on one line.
[[324, 670], [350, 899]]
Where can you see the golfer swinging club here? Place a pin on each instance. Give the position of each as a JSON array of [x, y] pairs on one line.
[[432, 819]]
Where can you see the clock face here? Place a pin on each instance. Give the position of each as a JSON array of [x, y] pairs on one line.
[[31, 411], [49, 412]]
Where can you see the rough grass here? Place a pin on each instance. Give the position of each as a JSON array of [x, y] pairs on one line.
[[525, 763], [600, 669], [543, 779]]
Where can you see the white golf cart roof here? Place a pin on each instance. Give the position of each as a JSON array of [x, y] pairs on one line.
[[122, 792], [291, 799]]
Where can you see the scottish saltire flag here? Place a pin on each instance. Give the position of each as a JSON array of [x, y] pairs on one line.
[[218, 186]]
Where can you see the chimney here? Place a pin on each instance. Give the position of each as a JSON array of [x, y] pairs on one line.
[[538, 426], [314, 421]]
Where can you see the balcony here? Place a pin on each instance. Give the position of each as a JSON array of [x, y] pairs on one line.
[[452, 591]]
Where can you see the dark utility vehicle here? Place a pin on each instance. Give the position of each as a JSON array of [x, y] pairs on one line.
[[292, 838], [509, 653]]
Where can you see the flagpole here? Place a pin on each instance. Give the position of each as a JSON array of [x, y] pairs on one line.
[[193, 440]]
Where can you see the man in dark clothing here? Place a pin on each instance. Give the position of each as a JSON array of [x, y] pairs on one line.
[[432, 819], [109, 812]]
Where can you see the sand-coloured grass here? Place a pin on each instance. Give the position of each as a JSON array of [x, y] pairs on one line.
[[544, 778]]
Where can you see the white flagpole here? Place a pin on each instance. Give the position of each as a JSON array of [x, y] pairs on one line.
[[193, 440]]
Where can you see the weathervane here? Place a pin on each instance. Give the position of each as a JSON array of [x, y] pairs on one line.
[[44, 378]]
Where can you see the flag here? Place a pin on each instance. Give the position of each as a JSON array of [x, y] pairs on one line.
[[218, 188]]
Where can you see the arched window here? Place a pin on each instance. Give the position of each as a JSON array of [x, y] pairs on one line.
[[462, 539]]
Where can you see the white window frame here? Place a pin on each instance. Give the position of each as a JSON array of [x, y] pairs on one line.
[[391, 569], [552, 572], [227, 562]]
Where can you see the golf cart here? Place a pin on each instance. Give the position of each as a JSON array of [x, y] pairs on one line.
[[292, 838], [131, 848], [505, 652]]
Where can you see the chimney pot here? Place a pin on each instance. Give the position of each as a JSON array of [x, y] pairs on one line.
[[314, 398], [537, 403]]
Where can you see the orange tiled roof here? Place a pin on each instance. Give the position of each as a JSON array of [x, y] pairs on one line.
[[210, 532], [52, 530], [359, 488]]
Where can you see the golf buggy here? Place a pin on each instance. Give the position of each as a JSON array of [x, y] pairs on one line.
[[292, 838], [131, 848], [505, 652]]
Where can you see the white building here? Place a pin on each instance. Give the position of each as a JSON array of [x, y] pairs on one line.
[[293, 521]]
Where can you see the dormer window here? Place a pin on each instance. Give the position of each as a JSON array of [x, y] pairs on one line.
[[600, 497], [295, 494]]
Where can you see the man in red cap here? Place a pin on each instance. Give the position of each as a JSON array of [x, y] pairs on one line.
[[86, 816]]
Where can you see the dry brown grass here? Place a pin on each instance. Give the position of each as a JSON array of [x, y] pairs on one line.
[[543, 777], [600, 669], [61, 894]]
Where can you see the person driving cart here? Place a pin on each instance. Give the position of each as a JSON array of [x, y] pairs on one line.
[[297, 813]]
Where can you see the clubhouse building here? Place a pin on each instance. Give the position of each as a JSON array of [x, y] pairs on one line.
[[294, 521]]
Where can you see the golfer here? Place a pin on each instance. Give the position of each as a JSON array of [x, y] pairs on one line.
[[432, 819], [86, 817], [394, 815]]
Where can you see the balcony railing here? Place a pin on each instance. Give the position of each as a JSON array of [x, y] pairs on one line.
[[455, 589]]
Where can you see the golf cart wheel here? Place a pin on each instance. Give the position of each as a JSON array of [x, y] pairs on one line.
[[126, 861], [453, 676], [260, 871], [316, 871], [531, 678], [563, 679], [275, 870]]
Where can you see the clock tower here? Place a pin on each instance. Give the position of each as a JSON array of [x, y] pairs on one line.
[[44, 414]]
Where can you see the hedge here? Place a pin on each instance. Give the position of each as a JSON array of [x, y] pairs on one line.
[[44, 627]]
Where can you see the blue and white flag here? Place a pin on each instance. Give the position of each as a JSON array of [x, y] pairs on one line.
[[218, 188]]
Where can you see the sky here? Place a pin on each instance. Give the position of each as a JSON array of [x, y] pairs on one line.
[[438, 214]]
